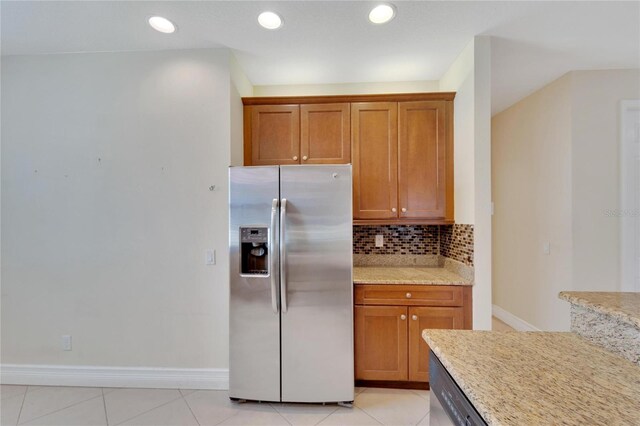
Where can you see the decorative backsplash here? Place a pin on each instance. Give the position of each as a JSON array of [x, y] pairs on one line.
[[452, 241], [456, 242], [398, 239]]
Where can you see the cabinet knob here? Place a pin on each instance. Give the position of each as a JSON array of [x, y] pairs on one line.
[[414, 317], [295, 158], [305, 158], [404, 210], [393, 209], [403, 317], [408, 295]]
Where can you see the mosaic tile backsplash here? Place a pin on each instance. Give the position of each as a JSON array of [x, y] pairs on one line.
[[398, 239], [456, 242], [453, 241]]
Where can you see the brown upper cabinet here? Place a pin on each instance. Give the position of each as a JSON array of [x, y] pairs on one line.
[[297, 134], [374, 137], [324, 134], [400, 145], [402, 160], [425, 160], [274, 134]]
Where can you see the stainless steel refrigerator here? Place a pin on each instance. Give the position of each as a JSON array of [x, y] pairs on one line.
[[291, 288]]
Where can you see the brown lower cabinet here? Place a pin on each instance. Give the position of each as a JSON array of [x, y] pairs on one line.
[[388, 337]]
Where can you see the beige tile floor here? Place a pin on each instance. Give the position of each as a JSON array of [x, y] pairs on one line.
[[497, 325], [68, 406]]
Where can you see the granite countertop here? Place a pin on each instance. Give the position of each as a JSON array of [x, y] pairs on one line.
[[406, 275], [624, 306], [528, 378]]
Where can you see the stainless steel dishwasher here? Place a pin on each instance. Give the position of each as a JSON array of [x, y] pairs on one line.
[[449, 405]]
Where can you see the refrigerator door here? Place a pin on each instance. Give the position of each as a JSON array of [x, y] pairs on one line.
[[316, 284], [254, 318]]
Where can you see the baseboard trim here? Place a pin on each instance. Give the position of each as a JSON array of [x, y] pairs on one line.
[[512, 320], [125, 377]]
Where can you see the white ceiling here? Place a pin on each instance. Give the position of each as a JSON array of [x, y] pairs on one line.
[[332, 42]]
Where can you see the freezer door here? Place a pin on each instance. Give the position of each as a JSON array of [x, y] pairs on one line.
[[316, 283], [254, 318]]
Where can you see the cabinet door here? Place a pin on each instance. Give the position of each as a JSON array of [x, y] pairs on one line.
[[420, 319], [422, 159], [381, 342], [324, 134], [275, 134], [374, 137]]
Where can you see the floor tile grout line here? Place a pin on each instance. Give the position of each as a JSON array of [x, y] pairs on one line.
[[59, 409], [365, 411], [227, 418], [145, 412], [278, 412], [325, 417], [104, 405], [24, 396], [423, 417], [189, 407]]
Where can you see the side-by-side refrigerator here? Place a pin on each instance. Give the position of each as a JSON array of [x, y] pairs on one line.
[[291, 288]]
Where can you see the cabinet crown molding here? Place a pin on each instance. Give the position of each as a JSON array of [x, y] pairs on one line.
[[391, 97]]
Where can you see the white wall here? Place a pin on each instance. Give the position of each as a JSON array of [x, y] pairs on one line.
[[531, 175], [470, 77], [459, 78], [596, 174], [555, 174], [240, 87], [106, 213], [482, 184], [347, 88]]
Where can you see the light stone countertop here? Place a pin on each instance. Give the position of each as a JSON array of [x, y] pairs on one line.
[[406, 275], [535, 378], [624, 306]]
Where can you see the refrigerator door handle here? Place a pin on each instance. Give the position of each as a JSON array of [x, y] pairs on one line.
[[283, 255], [274, 263]]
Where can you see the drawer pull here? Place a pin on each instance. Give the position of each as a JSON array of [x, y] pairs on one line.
[[408, 295], [403, 317], [414, 317], [404, 210], [295, 158]]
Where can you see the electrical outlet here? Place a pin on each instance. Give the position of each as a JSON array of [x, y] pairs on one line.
[[546, 248], [379, 241], [65, 341], [211, 257]]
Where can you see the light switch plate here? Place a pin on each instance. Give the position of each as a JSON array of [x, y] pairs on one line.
[[65, 341], [546, 248], [211, 257], [379, 241]]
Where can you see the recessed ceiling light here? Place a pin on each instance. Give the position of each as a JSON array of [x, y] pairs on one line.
[[270, 20], [161, 24], [382, 13]]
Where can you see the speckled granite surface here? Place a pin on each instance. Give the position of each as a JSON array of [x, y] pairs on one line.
[[406, 275], [429, 260], [465, 271], [539, 378], [611, 333], [624, 306]]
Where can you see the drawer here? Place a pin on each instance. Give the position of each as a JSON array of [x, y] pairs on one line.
[[408, 295]]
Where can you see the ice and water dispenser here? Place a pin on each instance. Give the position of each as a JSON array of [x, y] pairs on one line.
[[254, 251]]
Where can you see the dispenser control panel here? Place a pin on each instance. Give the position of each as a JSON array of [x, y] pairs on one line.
[[254, 251], [254, 235]]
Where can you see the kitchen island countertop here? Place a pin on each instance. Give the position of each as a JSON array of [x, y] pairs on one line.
[[624, 306], [407, 275], [526, 378]]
